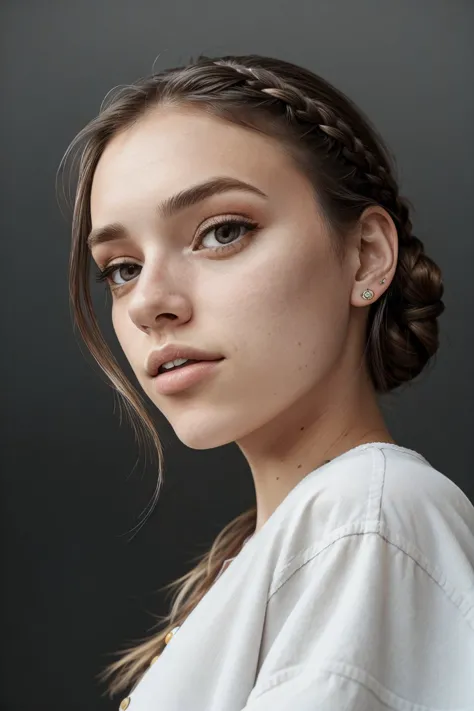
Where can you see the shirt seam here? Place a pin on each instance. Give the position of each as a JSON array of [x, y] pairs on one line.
[[463, 604], [357, 675]]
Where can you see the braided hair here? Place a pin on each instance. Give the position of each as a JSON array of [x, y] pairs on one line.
[[348, 164]]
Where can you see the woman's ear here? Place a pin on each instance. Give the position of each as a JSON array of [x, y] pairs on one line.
[[377, 245]]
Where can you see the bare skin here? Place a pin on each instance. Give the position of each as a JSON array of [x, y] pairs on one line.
[[288, 317]]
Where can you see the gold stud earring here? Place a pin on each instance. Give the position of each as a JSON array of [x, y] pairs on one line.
[[367, 294]]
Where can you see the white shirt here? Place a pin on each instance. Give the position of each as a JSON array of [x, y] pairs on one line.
[[357, 594]]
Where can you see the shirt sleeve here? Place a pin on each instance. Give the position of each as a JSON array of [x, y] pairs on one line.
[[364, 623]]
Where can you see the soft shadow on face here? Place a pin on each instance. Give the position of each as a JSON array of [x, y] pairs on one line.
[[276, 304]]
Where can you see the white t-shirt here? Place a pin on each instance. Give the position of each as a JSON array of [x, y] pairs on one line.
[[357, 594]]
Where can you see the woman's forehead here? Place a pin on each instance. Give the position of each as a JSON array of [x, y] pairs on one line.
[[175, 139], [169, 153]]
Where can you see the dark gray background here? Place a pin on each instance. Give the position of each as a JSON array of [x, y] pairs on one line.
[[76, 583]]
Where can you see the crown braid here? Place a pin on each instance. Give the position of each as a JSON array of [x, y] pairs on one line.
[[320, 115]]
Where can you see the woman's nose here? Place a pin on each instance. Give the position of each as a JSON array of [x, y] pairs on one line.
[[156, 301]]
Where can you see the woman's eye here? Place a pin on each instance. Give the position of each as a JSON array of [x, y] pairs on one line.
[[122, 269], [226, 234]]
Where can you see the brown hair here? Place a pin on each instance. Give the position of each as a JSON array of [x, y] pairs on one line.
[[338, 149]]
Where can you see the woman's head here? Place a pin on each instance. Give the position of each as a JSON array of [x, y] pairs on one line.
[[321, 222], [282, 302]]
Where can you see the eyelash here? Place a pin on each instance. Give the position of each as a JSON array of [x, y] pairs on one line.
[[106, 273]]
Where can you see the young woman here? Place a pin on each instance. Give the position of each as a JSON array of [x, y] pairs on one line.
[[266, 290]]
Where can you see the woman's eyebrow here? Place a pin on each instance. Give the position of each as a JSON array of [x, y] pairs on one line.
[[174, 204]]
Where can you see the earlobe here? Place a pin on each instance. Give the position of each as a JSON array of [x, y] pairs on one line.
[[368, 293]]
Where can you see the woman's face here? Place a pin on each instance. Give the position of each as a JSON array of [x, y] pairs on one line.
[[274, 302]]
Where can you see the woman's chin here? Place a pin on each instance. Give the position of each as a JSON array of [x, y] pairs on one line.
[[208, 427], [203, 438], [202, 428]]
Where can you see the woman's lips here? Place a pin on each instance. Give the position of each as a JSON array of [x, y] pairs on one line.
[[179, 379]]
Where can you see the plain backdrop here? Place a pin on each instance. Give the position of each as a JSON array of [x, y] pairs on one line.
[[77, 581]]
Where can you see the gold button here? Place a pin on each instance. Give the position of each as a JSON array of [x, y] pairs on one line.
[[154, 659], [125, 703], [171, 634]]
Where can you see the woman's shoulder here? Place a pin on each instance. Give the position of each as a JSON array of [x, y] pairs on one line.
[[390, 491]]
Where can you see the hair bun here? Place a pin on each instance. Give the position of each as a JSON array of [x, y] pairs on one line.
[[404, 330]]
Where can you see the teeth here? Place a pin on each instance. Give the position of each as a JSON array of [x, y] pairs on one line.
[[172, 363]]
